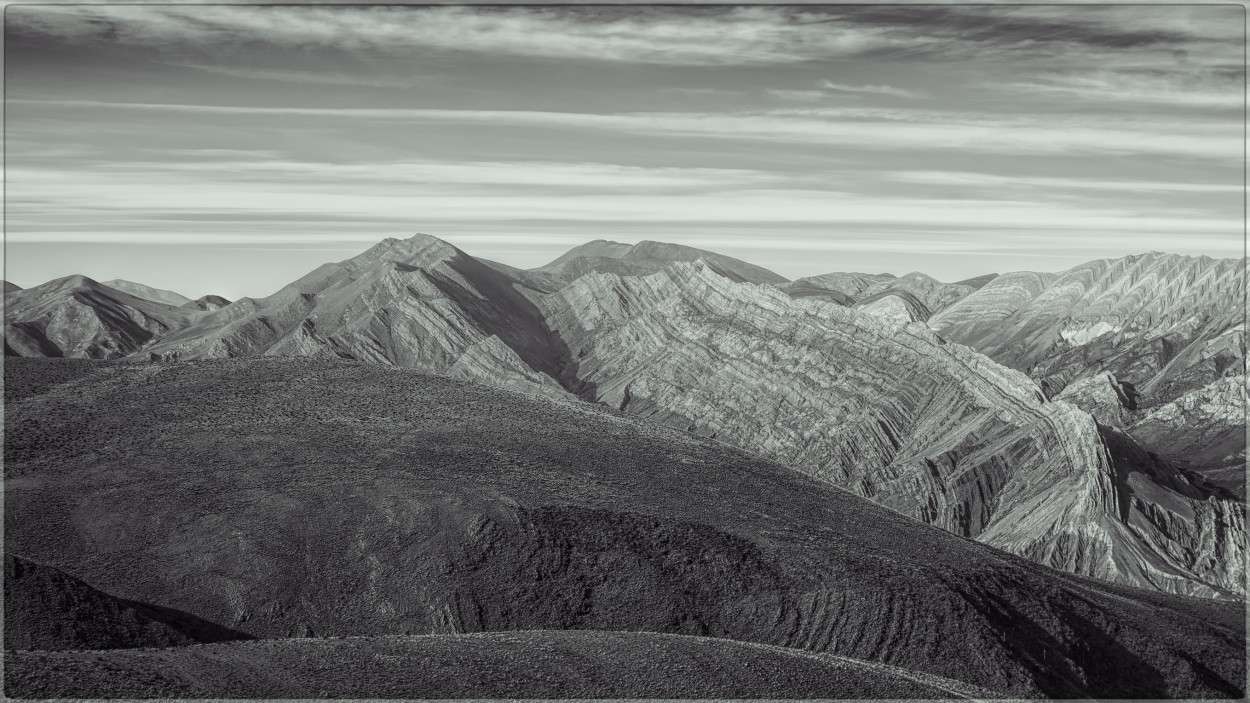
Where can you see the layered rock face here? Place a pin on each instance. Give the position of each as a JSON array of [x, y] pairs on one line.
[[645, 258], [319, 498], [418, 303], [888, 411], [1160, 326], [78, 317], [1167, 324]]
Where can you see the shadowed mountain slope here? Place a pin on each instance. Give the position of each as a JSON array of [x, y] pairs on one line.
[[541, 664], [891, 412], [139, 290], [78, 317], [417, 302], [645, 258], [45, 609], [294, 497], [10, 287]]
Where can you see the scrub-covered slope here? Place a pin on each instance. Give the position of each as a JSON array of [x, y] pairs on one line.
[[295, 497], [535, 664]]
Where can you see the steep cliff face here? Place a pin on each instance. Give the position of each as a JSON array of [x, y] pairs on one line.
[[308, 498], [1164, 323], [418, 303], [78, 317], [885, 409], [644, 258]]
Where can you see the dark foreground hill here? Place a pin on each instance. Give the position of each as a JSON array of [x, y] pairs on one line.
[[540, 664], [299, 498], [45, 609]]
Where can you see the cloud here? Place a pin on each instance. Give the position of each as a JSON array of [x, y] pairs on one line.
[[965, 180], [872, 90], [875, 129], [688, 36], [695, 36]]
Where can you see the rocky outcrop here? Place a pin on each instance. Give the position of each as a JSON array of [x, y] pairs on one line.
[[207, 302], [419, 303], [645, 258], [887, 410], [1203, 430], [1102, 395], [300, 498], [148, 292], [78, 317]]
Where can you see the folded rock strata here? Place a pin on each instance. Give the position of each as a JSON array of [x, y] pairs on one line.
[[887, 410]]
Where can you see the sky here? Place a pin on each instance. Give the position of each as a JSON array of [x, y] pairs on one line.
[[231, 149]]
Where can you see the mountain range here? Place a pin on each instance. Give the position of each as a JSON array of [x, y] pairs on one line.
[[1091, 420], [1045, 469]]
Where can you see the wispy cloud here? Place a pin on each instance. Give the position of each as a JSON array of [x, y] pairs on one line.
[[965, 179], [696, 36], [872, 90], [868, 130]]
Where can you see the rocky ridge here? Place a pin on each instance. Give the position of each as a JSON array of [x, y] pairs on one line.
[[419, 303], [78, 317]]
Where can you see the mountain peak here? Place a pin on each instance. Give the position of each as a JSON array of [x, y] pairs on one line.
[[647, 257], [417, 250]]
